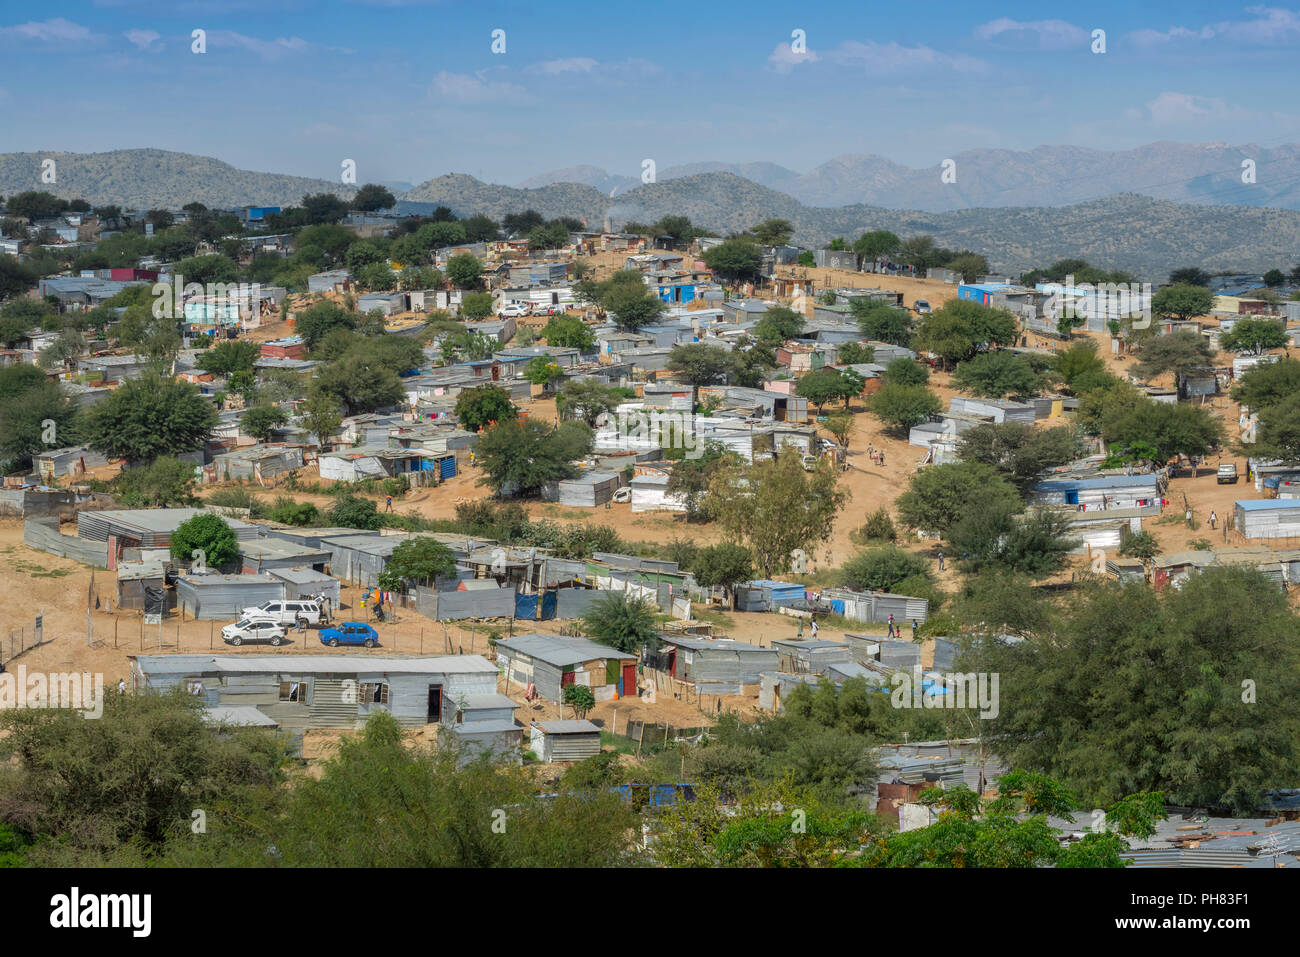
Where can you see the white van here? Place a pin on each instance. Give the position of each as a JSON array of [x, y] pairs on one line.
[[288, 612]]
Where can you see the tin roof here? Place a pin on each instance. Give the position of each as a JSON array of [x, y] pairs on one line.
[[313, 664], [556, 650]]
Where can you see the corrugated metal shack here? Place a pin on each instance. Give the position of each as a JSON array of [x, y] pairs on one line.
[[266, 554], [564, 740], [713, 666], [148, 527], [551, 662], [809, 656], [326, 691], [876, 606], [763, 594], [586, 490], [1268, 517], [1099, 492], [223, 596], [133, 579], [306, 582], [999, 410]]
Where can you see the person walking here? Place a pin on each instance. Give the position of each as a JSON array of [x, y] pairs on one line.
[[814, 627], [914, 629], [388, 505], [799, 633], [941, 561], [1213, 518], [882, 458], [891, 626]]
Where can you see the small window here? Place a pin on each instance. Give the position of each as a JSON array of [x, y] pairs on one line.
[[194, 687], [293, 691], [374, 692]]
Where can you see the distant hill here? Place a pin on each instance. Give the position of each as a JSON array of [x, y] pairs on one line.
[[1142, 234], [149, 178], [1208, 173], [1145, 236]]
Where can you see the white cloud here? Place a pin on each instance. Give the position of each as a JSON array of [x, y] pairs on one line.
[[575, 64], [1269, 26], [473, 88], [57, 30], [891, 58], [1042, 34], [783, 59], [266, 49], [1174, 108], [144, 39]]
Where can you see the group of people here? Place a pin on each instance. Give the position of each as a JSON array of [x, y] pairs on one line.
[[876, 455]]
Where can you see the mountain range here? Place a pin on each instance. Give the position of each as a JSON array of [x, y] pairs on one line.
[[1125, 228]]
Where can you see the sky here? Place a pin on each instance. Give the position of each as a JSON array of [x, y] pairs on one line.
[[412, 89]]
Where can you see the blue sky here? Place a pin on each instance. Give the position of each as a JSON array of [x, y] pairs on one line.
[[412, 89]]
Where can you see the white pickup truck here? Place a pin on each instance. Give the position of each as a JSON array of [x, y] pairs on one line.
[[288, 612]]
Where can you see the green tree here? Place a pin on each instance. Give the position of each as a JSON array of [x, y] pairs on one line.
[[482, 405], [28, 406], [872, 245], [231, 356], [321, 417], [996, 375], [881, 569], [419, 560], [777, 325], [970, 267], [937, 498], [1020, 452], [773, 232], [700, 364], [372, 196], [261, 420], [465, 271], [1182, 302], [902, 407], [543, 370], [210, 537], [525, 456], [585, 400], [1265, 384], [629, 302], [1036, 544], [905, 371], [580, 698], [881, 322], [1254, 336], [166, 482], [315, 323], [323, 208], [854, 353], [775, 507], [1179, 352], [723, 566], [825, 385], [569, 332], [960, 328], [149, 416], [735, 260], [352, 511], [1171, 719], [622, 622], [476, 305], [362, 383], [1278, 432], [690, 478]]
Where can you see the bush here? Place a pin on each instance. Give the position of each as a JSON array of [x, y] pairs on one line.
[[879, 527], [208, 534], [580, 699], [288, 512], [882, 569], [353, 512]]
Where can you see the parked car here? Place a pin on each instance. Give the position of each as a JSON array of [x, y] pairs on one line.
[[544, 309], [513, 310], [288, 612], [349, 633], [1228, 474], [922, 307], [254, 630], [809, 462]]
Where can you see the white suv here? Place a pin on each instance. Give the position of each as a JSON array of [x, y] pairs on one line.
[[287, 612], [253, 630]]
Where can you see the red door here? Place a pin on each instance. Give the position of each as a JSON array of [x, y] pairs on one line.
[[672, 662], [629, 680], [566, 679]]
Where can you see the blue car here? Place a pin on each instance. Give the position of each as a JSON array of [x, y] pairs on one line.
[[349, 633]]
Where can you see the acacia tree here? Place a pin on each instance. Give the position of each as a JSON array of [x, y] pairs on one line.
[[419, 560], [776, 507], [723, 566], [1254, 335], [627, 624], [482, 405], [151, 416]]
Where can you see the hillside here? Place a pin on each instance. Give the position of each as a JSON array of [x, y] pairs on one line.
[[149, 178]]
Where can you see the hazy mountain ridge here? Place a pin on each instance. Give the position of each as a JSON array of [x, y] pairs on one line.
[[1207, 173], [1143, 235], [149, 178]]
